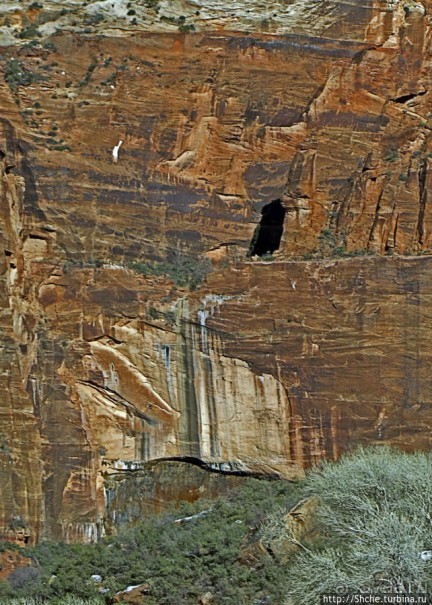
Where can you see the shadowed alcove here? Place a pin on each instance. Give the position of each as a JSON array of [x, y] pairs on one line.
[[268, 234]]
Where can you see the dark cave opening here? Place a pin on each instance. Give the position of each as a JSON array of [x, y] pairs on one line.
[[268, 234]]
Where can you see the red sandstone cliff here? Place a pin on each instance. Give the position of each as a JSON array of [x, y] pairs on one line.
[[269, 366]]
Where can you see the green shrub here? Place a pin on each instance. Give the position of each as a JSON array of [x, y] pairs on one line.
[[65, 600], [374, 507], [331, 243], [17, 75], [179, 561], [185, 29], [31, 44], [392, 155], [23, 576], [168, 19], [94, 19], [30, 31], [185, 271]]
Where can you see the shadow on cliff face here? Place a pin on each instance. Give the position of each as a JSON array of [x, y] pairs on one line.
[[268, 234]]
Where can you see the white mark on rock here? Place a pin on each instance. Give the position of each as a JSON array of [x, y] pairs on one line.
[[115, 151]]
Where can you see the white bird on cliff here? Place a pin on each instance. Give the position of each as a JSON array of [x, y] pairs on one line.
[[115, 151]]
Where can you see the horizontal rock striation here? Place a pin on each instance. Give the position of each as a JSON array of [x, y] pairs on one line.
[[129, 163]]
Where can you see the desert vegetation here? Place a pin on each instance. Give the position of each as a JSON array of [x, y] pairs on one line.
[[374, 517], [369, 530], [184, 270], [66, 600], [179, 561]]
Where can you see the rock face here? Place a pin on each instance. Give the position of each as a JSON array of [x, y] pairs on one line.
[[107, 363]]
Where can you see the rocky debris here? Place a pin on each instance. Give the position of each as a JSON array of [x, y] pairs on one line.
[[134, 595], [282, 534], [426, 555], [96, 578], [206, 598], [253, 551], [199, 515]]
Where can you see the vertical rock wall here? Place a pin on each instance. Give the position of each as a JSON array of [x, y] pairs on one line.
[[107, 366]]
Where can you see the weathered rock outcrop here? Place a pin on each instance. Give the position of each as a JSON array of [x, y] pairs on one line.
[[269, 366]]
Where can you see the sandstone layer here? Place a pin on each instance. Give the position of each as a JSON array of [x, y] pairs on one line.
[[268, 367]]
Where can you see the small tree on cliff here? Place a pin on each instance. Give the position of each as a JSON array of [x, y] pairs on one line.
[[376, 515]]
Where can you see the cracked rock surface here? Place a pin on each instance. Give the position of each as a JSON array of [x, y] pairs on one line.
[[109, 362]]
